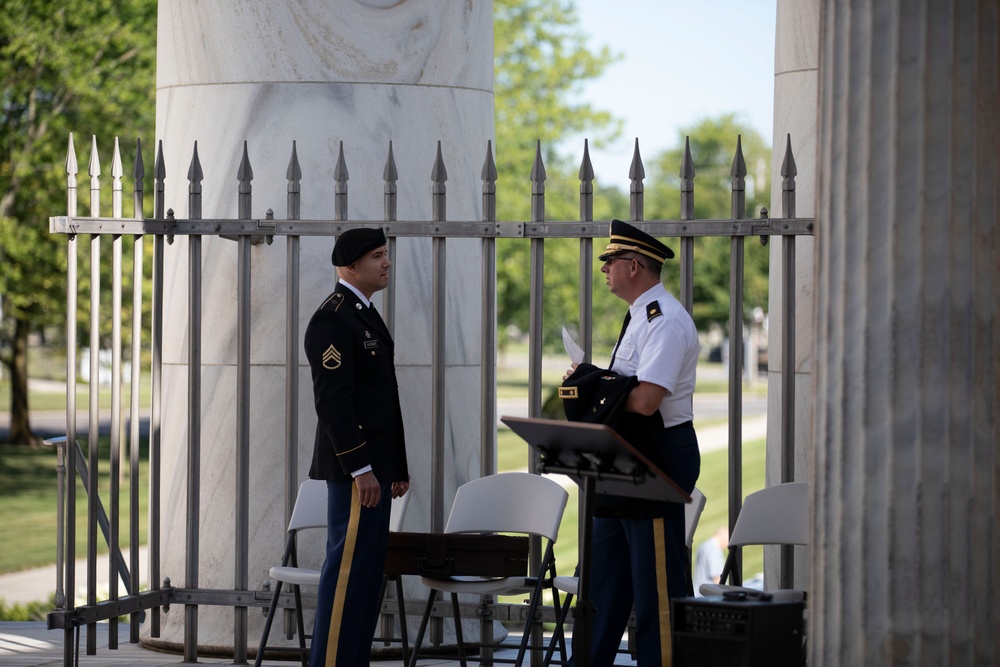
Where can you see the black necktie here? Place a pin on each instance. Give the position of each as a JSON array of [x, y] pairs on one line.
[[628, 318]]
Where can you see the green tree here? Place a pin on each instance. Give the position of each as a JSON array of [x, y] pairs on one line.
[[713, 148], [74, 65], [541, 60]]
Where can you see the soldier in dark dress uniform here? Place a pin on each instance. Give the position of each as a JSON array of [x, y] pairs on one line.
[[359, 448]]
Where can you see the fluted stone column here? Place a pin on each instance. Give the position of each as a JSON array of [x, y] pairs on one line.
[[907, 422], [796, 77], [363, 73]]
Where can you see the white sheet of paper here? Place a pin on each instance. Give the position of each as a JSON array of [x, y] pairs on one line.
[[572, 349]]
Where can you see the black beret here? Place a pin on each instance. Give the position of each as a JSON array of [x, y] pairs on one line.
[[354, 243], [626, 238]]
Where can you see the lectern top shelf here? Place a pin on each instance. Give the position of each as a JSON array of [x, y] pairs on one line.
[[580, 450]]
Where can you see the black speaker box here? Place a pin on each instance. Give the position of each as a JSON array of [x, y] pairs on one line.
[[713, 632]]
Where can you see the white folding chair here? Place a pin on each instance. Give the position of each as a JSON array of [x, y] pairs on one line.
[[309, 513], [513, 503], [396, 525], [776, 515], [570, 585]]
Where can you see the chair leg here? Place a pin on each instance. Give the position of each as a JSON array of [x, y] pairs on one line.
[[301, 625], [529, 623], [402, 617], [423, 627], [458, 629], [559, 634], [271, 609]]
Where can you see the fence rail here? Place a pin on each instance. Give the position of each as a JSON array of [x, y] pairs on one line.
[[247, 231]]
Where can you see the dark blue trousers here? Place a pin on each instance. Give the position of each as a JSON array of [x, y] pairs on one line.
[[636, 561], [349, 585]]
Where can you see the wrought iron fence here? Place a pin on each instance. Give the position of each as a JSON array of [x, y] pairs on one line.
[[246, 232]]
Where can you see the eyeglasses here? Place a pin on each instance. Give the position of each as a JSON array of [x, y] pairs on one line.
[[610, 260]]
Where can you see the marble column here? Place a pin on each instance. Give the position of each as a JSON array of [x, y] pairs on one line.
[[796, 77], [907, 418], [362, 72]]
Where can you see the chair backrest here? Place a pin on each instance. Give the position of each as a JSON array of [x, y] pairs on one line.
[[509, 502], [776, 515], [398, 512], [310, 506], [692, 513]]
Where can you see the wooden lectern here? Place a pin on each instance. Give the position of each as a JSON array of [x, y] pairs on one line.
[[599, 460]]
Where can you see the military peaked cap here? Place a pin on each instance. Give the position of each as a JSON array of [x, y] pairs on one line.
[[354, 243], [626, 238]]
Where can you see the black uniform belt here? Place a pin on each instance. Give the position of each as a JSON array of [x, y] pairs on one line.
[[687, 424]]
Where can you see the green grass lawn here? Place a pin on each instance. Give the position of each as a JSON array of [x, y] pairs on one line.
[[28, 489]]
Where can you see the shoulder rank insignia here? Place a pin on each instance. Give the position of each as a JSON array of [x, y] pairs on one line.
[[334, 302], [653, 311], [331, 358]]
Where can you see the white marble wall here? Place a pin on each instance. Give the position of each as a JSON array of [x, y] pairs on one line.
[[907, 416], [319, 73], [796, 74]]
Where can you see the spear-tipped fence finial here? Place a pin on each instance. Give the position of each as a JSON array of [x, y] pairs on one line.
[[738, 173], [390, 175], [71, 171], [94, 171], [489, 178], [244, 175], [439, 174], [195, 176], [138, 173], [538, 185], [586, 176], [687, 182], [294, 176], [788, 173], [159, 175], [116, 180], [340, 178], [636, 174]]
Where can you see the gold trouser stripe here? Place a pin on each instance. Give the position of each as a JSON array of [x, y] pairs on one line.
[[337, 614], [662, 593]]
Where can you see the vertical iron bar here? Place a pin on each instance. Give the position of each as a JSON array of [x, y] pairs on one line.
[[487, 354], [241, 530], [535, 320], [438, 359], [192, 541], [69, 562], [114, 538], [536, 328], [788, 173], [156, 388], [438, 344], [488, 350], [292, 269], [136, 380], [736, 361], [293, 245], [94, 386], [586, 176]]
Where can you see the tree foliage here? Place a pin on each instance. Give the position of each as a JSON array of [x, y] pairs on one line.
[[713, 144], [84, 66], [542, 60]]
